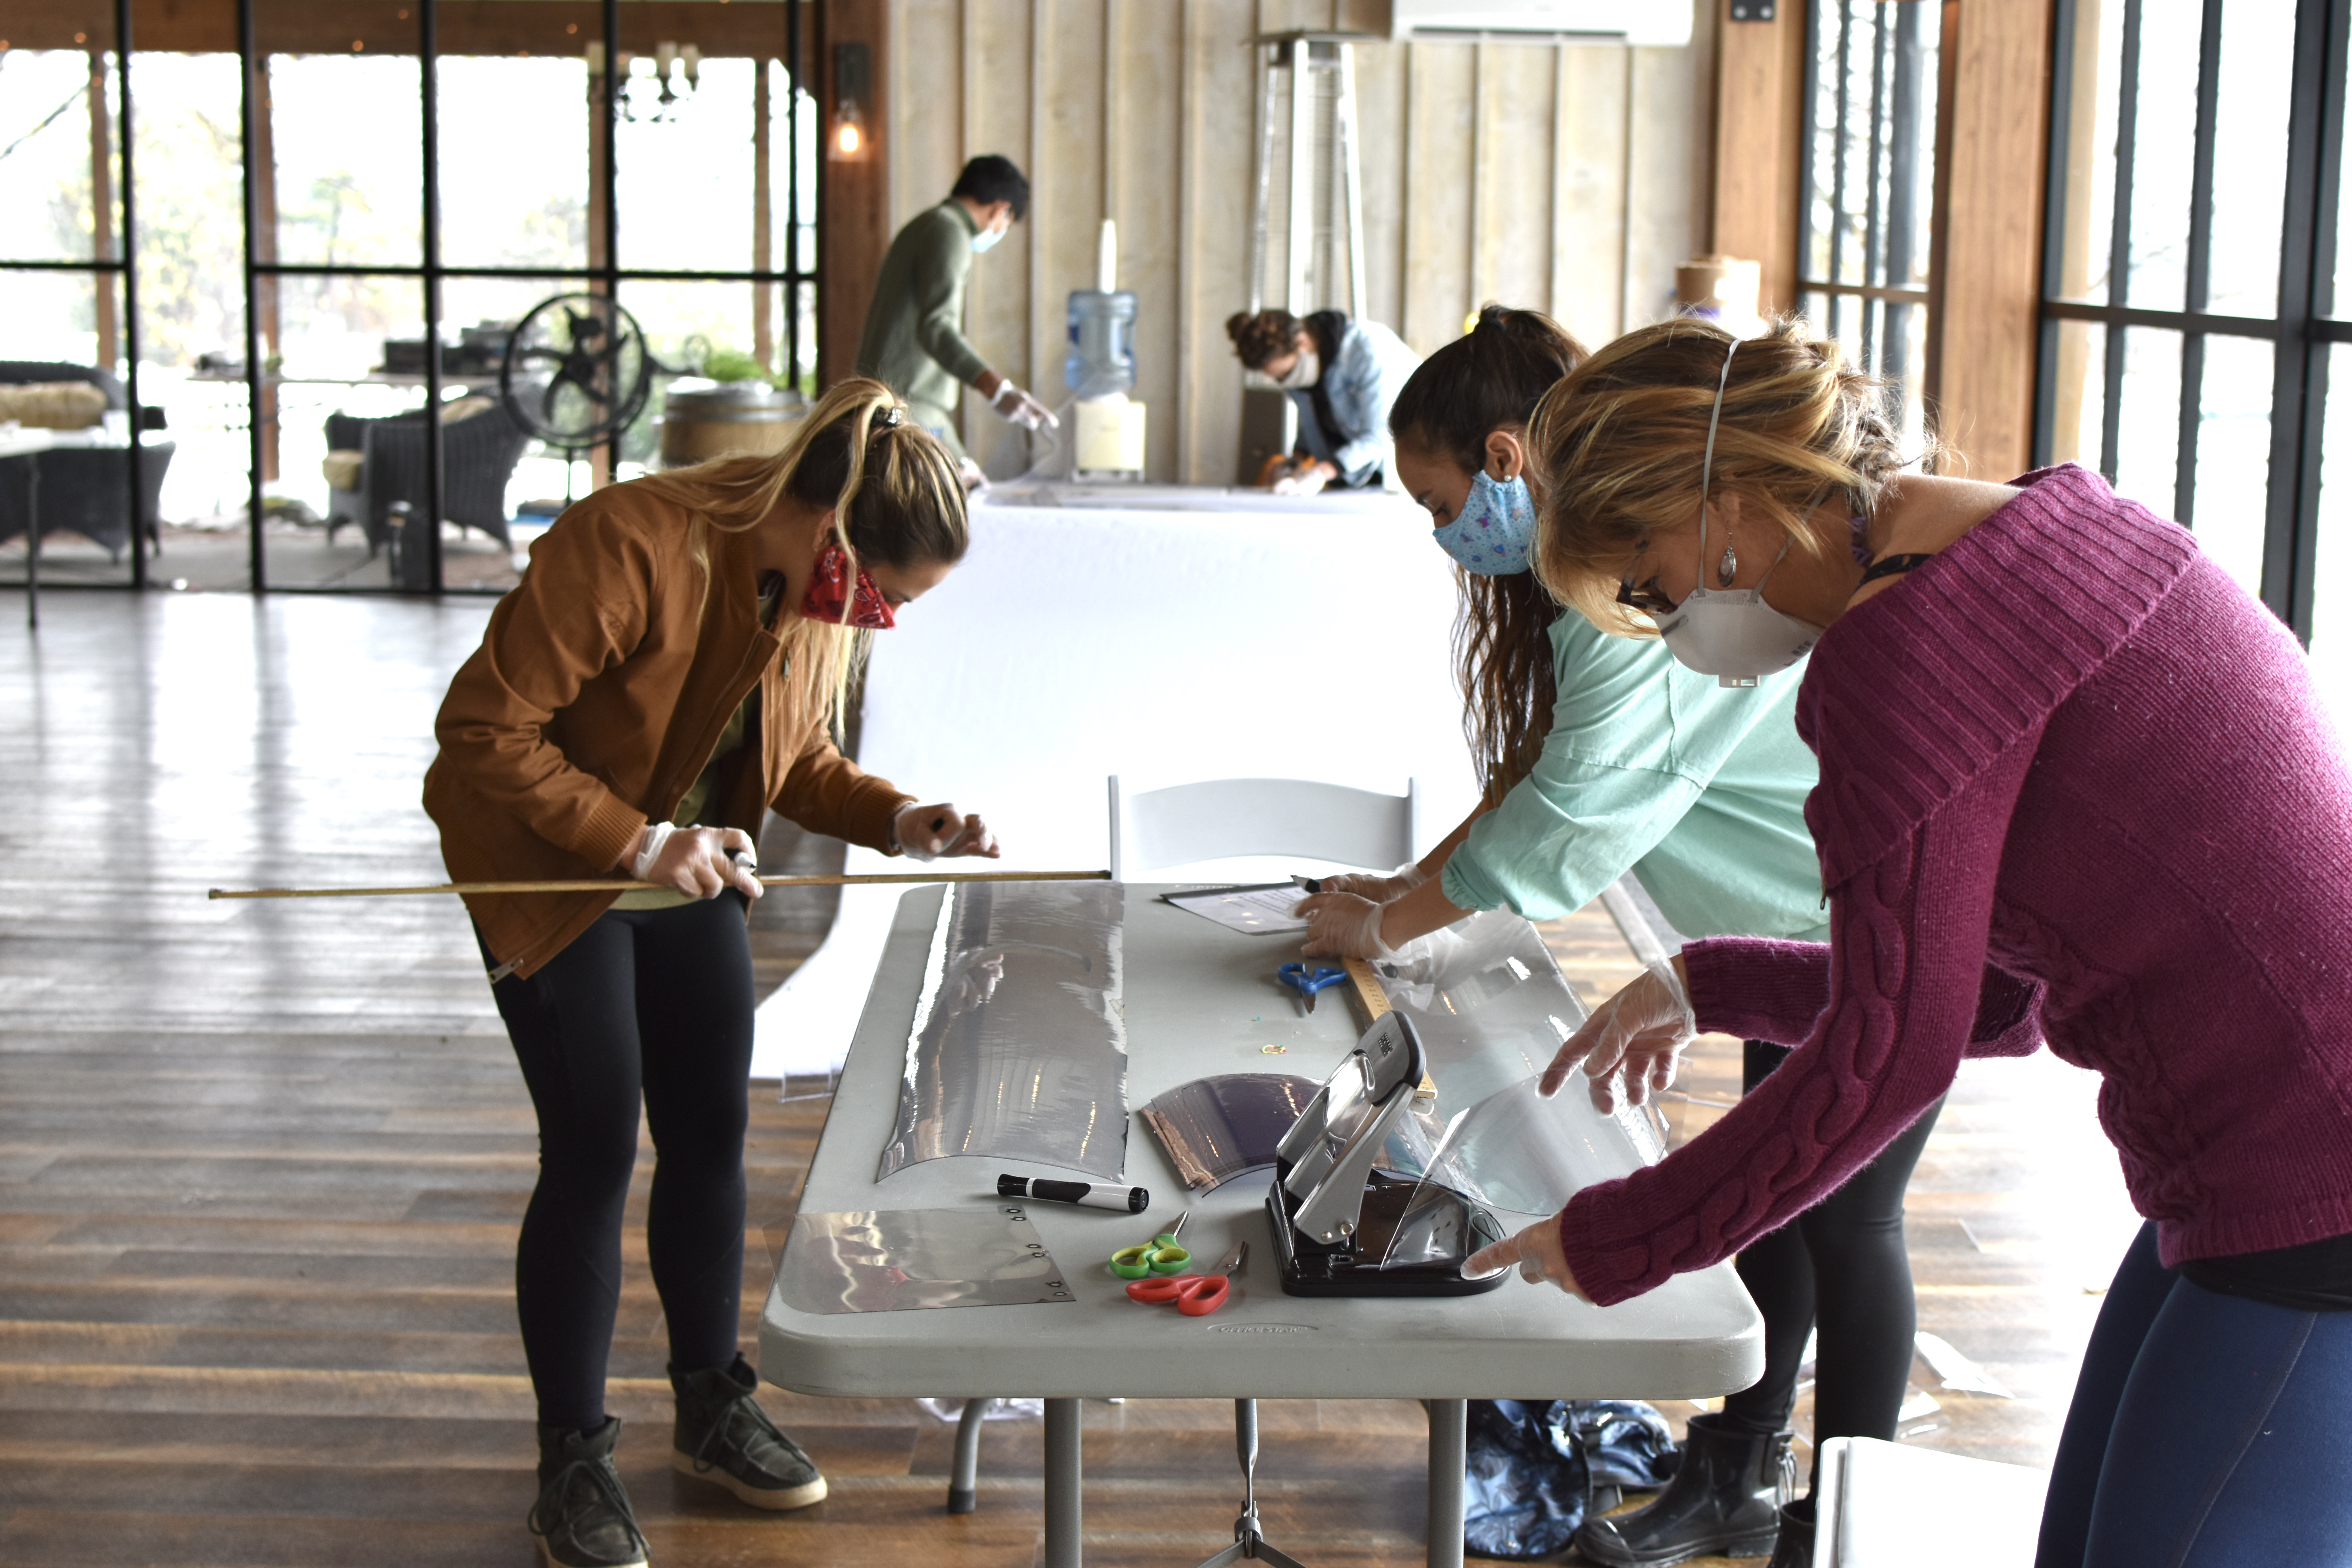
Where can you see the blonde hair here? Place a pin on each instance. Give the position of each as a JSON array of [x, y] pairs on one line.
[[893, 492], [1620, 441]]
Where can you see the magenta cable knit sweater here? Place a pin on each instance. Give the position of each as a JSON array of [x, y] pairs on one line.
[[2076, 783]]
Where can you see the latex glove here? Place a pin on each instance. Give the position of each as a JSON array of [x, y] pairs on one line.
[[1015, 406], [1341, 925], [1307, 479], [1379, 889], [969, 472], [1537, 1252], [697, 861], [1641, 1030], [935, 832]]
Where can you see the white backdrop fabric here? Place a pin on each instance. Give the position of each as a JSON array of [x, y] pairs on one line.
[[1163, 644]]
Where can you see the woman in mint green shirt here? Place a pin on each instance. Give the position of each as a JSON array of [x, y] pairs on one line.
[[1598, 755]]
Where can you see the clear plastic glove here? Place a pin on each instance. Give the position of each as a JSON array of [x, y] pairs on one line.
[[935, 832], [1307, 479], [1538, 1254], [1641, 1030], [1341, 925], [697, 861], [1015, 406], [1379, 889]]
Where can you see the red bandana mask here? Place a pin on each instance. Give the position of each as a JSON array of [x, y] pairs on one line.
[[829, 595]]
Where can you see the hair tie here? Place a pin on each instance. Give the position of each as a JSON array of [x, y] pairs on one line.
[[889, 420]]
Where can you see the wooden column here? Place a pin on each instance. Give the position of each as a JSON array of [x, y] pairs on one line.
[[853, 194], [1988, 227], [265, 249], [1760, 124], [599, 159], [101, 212], [764, 295]]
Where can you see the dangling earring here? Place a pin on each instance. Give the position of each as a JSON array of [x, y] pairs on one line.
[[1728, 567]]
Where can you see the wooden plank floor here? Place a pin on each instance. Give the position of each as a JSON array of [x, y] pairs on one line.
[[261, 1165]]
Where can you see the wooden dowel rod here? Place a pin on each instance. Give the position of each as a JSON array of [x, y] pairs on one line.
[[617, 885]]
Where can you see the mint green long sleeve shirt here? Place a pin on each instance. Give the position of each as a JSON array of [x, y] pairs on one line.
[[1698, 790]]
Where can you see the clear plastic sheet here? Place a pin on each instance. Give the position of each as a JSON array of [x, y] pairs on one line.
[[1019, 1045], [1215, 1129], [1492, 1008], [900, 1260]]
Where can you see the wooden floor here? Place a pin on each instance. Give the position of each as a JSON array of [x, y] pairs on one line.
[[261, 1166]]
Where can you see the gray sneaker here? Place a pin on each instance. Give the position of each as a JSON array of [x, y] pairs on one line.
[[582, 1518], [722, 1435]]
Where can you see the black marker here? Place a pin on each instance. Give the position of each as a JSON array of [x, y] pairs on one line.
[[1093, 1194]]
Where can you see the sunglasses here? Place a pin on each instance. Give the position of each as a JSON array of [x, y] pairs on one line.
[[1645, 597]]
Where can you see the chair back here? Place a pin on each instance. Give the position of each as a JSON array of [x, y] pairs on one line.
[[1218, 818]]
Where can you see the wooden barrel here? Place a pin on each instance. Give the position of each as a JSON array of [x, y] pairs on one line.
[[705, 419]]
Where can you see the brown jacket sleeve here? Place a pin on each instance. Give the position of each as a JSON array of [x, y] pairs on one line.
[[826, 793], [580, 609]]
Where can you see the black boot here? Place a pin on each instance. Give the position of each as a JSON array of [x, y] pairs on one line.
[[1794, 1547], [1725, 1502], [582, 1518], [722, 1435]]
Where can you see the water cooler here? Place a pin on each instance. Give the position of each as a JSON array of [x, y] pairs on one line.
[[1107, 440]]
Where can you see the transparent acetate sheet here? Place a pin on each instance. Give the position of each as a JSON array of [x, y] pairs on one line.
[[1492, 1009], [1215, 1129], [900, 1260], [1019, 1045]]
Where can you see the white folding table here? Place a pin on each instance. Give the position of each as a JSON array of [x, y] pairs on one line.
[[1199, 1000]]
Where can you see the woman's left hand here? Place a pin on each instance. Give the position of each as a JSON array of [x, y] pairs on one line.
[[1343, 925], [935, 832], [1536, 1251]]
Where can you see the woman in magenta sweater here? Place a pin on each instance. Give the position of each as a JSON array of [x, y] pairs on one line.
[[2076, 786]]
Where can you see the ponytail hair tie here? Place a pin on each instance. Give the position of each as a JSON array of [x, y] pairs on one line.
[[890, 418]]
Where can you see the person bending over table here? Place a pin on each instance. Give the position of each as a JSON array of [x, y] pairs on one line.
[[1597, 755], [2078, 784], [1343, 374], [671, 667]]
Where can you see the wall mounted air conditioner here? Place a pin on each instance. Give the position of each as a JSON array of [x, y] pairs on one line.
[[1662, 23]]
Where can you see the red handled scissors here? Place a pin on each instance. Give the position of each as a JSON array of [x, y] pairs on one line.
[[1195, 1295]]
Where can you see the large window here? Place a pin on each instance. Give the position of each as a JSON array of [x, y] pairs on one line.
[[1867, 165], [2189, 281], [334, 216]]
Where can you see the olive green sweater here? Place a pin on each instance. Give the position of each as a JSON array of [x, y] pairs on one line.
[[914, 330]]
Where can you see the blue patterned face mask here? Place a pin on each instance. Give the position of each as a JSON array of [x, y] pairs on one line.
[[1496, 530]]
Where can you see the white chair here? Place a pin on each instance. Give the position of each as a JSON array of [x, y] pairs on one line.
[[1221, 818]]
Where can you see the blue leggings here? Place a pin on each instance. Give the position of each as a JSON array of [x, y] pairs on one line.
[[2207, 1431]]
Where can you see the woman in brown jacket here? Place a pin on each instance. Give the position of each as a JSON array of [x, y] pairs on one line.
[[673, 666]]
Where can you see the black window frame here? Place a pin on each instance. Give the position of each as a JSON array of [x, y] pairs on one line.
[[799, 18], [2304, 324]]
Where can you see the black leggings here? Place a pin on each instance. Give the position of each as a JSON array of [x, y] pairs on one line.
[[1843, 1261], [651, 1004]]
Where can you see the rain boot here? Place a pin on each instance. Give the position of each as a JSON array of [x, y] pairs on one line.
[[1794, 1547], [1723, 1502]]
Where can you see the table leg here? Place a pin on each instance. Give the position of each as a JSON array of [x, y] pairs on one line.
[[964, 1476], [1063, 1422], [1448, 1426]]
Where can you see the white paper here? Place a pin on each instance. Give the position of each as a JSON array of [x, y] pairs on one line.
[[1957, 1372], [1257, 911]]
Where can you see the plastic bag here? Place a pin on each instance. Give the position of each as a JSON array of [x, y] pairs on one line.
[[1535, 1466]]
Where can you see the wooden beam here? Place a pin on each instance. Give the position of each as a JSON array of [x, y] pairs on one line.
[[717, 28], [1989, 230], [764, 295], [853, 194], [1760, 83], [101, 210]]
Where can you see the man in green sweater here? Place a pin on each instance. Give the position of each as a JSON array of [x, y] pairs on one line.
[[914, 330]]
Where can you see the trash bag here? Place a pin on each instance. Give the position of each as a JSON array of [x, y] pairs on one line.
[[1535, 1466]]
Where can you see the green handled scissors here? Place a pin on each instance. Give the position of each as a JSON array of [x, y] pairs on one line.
[[1162, 1255]]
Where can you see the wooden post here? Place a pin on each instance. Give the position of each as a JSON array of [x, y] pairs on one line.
[[764, 295], [853, 194], [1759, 90], [265, 249], [101, 212], [600, 158]]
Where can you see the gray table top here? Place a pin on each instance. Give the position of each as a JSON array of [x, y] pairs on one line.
[[1199, 1000]]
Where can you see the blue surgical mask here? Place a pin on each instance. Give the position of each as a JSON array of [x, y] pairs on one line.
[[986, 239], [1496, 528]]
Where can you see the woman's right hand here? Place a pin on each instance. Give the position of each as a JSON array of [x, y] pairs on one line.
[[1642, 1030], [695, 861]]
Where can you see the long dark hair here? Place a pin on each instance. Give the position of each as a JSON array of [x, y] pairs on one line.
[[1488, 380]]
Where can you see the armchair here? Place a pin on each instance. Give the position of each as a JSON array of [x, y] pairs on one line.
[[479, 449], [82, 488]]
